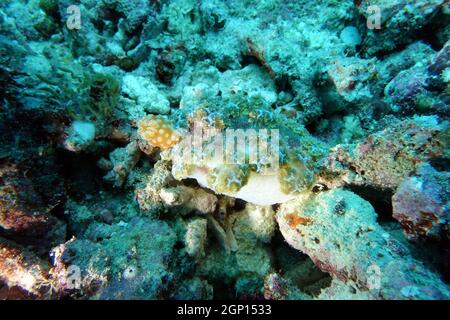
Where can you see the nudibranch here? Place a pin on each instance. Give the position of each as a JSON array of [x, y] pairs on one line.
[[158, 131]]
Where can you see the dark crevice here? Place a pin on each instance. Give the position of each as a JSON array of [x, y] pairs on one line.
[[379, 199], [440, 164], [222, 69], [239, 205], [313, 125], [429, 33], [135, 36], [189, 182]]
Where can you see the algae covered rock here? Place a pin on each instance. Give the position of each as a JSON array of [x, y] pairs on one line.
[[24, 214], [196, 237], [81, 135], [421, 205], [122, 162], [338, 231], [420, 88], [23, 269], [260, 220], [239, 149]]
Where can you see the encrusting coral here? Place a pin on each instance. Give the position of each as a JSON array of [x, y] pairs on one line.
[[314, 224]]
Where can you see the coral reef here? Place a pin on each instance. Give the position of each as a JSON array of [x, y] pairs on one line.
[[196, 237], [24, 216], [422, 87]]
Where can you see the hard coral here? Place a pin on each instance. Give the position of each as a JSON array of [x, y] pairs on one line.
[[421, 204], [399, 21], [186, 200], [195, 238], [122, 162], [295, 177]]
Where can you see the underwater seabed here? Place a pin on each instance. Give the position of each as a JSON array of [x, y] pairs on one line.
[[238, 149]]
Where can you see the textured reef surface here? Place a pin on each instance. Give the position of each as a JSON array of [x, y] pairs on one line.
[[225, 149]]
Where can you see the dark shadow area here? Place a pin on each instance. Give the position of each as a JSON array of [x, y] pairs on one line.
[[379, 199]]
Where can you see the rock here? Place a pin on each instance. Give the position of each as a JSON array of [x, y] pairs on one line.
[[275, 287], [186, 199], [195, 237], [81, 135], [339, 290], [122, 161], [258, 220], [400, 20], [387, 157], [21, 268], [419, 89], [439, 66], [250, 81], [350, 78], [144, 245], [24, 216], [194, 289], [417, 53], [350, 36]]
